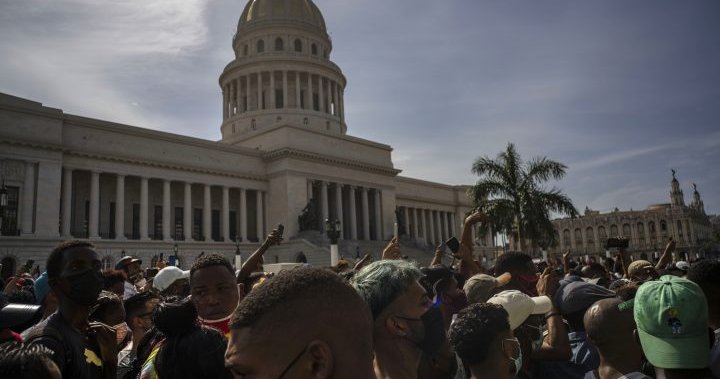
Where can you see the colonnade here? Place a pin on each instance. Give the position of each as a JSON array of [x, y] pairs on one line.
[[358, 208], [168, 232], [282, 89]]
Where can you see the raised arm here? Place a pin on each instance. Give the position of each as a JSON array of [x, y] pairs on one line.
[[437, 259], [251, 264], [666, 256], [556, 346]]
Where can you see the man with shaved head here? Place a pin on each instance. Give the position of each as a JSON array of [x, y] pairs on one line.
[[609, 324], [303, 323]]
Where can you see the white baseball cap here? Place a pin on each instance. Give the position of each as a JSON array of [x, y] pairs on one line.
[[167, 276], [519, 305]]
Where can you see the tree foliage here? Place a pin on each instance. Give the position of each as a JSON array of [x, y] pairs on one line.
[[512, 193]]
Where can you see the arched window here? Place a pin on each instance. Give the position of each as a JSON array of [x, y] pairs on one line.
[[602, 235], [298, 45], [640, 229], [651, 226], [663, 226], [566, 237], [279, 44], [613, 231], [626, 231], [260, 46], [245, 50], [313, 49], [589, 236], [679, 229], [578, 237]]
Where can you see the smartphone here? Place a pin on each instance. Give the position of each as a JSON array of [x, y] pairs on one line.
[[281, 229], [453, 244], [161, 257]]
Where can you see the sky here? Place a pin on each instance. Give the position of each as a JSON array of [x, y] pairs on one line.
[[619, 91]]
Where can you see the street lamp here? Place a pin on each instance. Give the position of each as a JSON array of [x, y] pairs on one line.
[[333, 233]]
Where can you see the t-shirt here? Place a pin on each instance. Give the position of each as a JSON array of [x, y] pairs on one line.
[[129, 291], [76, 355], [584, 359], [223, 325]]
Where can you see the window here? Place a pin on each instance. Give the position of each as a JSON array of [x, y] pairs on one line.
[[298, 46], [111, 221], [136, 221], [157, 230], [613, 231], [626, 231], [589, 236], [315, 102], [279, 99], [313, 49], [578, 236], [680, 229], [663, 226], [179, 231], [197, 223], [245, 50], [10, 218], [215, 227], [260, 46], [279, 44]]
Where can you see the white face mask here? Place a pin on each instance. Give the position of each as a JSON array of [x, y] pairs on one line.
[[121, 331], [141, 283]]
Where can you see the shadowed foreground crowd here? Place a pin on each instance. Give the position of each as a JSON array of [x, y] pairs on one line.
[[601, 318]]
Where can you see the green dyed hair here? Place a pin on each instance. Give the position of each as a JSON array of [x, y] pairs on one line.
[[381, 282]]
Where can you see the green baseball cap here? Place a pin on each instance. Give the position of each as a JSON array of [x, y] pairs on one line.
[[672, 320]]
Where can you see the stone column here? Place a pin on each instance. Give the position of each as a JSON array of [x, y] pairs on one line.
[[144, 208], [285, 89], [453, 224], [297, 90], [188, 212], [259, 91], [225, 214], [207, 213], [120, 207], [444, 225], [415, 226], [424, 225], [378, 216], [339, 206], [309, 190], [431, 228], [647, 233], [324, 213], [93, 219], [28, 198], [365, 213], [166, 211], [67, 202], [309, 104], [321, 94], [247, 93], [329, 96], [272, 90], [337, 99], [353, 213], [259, 215], [243, 215], [225, 102], [341, 104]]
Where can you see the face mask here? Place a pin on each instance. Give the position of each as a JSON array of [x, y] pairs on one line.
[[433, 328], [516, 361], [121, 332], [141, 283], [528, 284], [84, 287], [457, 302]]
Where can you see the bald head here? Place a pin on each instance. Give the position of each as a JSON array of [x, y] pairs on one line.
[[607, 325]]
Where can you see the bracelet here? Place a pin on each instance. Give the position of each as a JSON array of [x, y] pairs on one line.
[[547, 316]]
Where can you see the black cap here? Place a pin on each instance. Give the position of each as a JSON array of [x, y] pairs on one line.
[[125, 261], [575, 295], [13, 314]]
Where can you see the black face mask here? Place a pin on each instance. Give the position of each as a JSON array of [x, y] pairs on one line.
[[434, 331], [84, 287]]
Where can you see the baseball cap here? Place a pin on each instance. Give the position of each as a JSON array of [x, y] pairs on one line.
[[520, 306], [125, 261], [574, 295], [682, 265], [636, 267], [479, 287], [41, 288], [167, 276], [672, 321]]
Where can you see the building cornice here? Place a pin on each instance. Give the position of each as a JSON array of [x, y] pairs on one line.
[[335, 161], [130, 160], [427, 183]]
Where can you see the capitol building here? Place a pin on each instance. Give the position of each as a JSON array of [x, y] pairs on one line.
[[285, 152]]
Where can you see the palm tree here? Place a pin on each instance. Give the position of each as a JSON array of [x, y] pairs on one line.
[[511, 192]]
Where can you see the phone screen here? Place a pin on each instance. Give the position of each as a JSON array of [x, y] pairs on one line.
[[453, 244]]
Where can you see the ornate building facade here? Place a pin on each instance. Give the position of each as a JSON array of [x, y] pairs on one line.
[[284, 146], [648, 231]]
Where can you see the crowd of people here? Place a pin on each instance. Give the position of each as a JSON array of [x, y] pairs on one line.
[[561, 317]]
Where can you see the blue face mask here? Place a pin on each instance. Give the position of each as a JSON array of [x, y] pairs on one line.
[[517, 361]]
